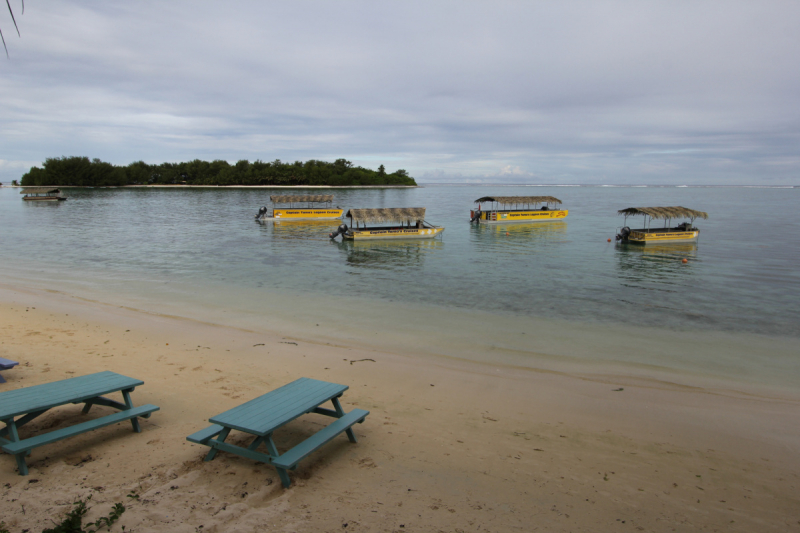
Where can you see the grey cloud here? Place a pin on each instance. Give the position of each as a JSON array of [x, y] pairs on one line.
[[582, 92]]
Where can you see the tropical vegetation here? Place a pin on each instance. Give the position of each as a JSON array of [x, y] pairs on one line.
[[81, 171]]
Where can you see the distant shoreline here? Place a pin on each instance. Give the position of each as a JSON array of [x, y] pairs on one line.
[[219, 186]]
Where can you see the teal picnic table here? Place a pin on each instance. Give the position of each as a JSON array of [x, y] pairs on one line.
[[18, 407], [261, 416]]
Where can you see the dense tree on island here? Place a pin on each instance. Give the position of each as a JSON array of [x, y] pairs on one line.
[[81, 171]]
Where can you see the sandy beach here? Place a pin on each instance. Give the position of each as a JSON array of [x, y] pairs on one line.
[[449, 445]]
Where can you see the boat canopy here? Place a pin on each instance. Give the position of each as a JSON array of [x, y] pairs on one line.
[[40, 190], [507, 200], [288, 199], [391, 214], [663, 213]]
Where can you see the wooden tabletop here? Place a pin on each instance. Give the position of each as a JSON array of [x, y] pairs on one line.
[[73, 390], [266, 413]]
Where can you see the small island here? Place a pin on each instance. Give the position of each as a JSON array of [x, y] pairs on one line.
[[83, 172]]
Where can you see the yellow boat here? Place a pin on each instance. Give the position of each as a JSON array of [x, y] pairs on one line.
[[411, 221], [42, 194], [322, 211], [525, 209], [682, 233]]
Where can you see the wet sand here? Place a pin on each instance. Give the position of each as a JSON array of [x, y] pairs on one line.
[[449, 445]]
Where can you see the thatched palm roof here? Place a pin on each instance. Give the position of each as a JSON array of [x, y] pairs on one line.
[[392, 214], [39, 190], [663, 213], [287, 199], [506, 200]]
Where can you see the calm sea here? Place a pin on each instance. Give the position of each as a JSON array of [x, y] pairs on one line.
[[554, 295]]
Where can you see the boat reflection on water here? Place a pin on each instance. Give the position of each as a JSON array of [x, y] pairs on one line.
[[517, 238], [299, 229], [654, 262], [529, 230], [388, 255]]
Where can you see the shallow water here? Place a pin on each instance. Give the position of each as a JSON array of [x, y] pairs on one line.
[[479, 292]]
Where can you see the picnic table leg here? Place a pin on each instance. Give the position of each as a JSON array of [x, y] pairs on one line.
[[21, 422], [273, 451], [340, 414], [126, 394], [14, 437], [221, 438], [256, 443]]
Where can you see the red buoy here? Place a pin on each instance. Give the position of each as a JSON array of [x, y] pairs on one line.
[[609, 240], [684, 260]]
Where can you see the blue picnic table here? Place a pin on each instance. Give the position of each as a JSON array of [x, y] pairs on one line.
[[5, 364], [18, 407], [261, 416]]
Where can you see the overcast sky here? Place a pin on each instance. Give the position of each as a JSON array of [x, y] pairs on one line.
[[672, 92]]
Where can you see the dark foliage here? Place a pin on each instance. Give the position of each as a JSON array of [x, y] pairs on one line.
[[73, 522], [81, 171]]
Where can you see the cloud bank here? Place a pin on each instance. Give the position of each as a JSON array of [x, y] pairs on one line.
[[511, 92]]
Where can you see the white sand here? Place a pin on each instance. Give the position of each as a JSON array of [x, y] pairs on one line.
[[449, 445]]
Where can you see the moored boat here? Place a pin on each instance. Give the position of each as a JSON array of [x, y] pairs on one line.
[[682, 233], [317, 207], [410, 221], [513, 209], [42, 194]]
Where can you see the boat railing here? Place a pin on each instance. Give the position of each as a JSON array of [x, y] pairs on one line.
[[663, 230], [543, 208]]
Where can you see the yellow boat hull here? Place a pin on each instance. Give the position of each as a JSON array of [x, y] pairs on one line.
[[524, 215], [392, 233], [667, 237], [306, 214]]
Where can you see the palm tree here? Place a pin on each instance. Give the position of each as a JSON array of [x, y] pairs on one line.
[[8, 3]]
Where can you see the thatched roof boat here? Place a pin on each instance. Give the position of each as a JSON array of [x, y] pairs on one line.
[[299, 212], [664, 213], [389, 214], [42, 194], [513, 209], [683, 233], [411, 221], [513, 200]]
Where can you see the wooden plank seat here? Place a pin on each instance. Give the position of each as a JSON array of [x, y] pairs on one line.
[[202, 436], [21, 406], [24, 445], [290, 458], [261, 416]]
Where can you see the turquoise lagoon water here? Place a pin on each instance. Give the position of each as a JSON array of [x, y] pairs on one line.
[[554, 295]]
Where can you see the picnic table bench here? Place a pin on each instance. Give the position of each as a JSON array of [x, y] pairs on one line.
[[263, 415], [31, 402], [5, 364]]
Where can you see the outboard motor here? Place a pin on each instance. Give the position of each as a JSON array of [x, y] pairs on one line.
[[341, 230], [623, 234], [261, 213], [476, 215]]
